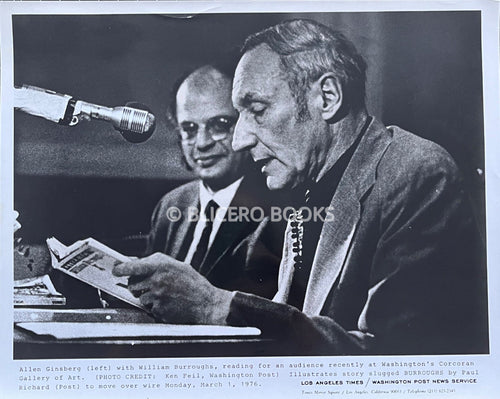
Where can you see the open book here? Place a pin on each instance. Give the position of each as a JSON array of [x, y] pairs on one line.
[[92, 262]]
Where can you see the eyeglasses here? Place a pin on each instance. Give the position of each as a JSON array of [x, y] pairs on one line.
[[218, 127]]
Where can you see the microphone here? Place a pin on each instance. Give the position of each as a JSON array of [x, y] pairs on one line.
[[134, 121], [136, 125]]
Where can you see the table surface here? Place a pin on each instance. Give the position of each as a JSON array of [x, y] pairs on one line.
[[28, 345]]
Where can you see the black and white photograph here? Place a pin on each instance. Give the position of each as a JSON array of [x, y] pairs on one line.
[[217, 202]]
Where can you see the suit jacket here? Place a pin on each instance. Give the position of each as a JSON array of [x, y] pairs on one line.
[[245, 254], [399, 270]]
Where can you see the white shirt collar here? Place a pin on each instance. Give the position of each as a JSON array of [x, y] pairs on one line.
[[222, 197]]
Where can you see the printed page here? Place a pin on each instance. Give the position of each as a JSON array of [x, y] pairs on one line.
[[93, 264]]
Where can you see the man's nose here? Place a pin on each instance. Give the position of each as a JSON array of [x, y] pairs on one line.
[[243, 139], [203, 138]]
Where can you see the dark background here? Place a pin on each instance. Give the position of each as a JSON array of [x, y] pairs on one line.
[[73, 182]]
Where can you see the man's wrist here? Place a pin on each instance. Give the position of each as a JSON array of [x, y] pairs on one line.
[[220, 307]]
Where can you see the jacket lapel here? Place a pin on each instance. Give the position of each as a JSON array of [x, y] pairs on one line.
[[180, 230], [337, 233], [228, 233]]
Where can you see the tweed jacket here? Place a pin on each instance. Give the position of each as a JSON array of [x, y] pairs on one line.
[[399, 270]]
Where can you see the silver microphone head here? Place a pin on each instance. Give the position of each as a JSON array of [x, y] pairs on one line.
[[136, 125]]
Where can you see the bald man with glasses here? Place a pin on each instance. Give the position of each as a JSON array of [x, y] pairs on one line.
[[220, 223]]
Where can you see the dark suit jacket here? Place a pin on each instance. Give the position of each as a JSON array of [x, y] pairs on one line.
[[245, 255], [400, 269]]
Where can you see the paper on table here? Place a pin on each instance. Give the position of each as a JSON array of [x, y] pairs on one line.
[[77, 330], [36, 291]]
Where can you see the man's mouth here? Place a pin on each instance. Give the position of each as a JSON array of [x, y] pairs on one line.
[[262, 164], [208, 160]]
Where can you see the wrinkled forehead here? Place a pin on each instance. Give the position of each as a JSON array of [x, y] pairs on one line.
[[258, 70]]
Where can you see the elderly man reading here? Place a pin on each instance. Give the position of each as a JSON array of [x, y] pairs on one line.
[[391, 262]]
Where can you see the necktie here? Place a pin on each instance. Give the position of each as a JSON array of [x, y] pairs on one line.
[[202, 247], [301, 270]]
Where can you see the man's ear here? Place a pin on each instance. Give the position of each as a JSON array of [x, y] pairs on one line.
[[331, 95]]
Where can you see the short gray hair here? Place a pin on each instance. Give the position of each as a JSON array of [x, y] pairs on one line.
[[307, 50]]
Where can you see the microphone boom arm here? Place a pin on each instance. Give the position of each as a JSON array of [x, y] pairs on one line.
[[136, 125]]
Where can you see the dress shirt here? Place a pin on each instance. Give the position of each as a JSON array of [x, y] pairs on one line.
[[223, 198]]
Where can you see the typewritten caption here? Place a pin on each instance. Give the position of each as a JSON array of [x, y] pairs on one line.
[[312, 376]]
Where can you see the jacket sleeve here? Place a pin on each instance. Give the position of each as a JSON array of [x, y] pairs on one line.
[[297, 334]]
